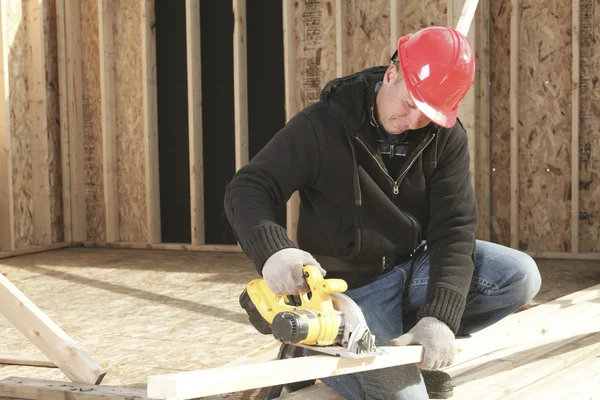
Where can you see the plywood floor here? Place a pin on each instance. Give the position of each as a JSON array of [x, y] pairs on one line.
[[145, 312]]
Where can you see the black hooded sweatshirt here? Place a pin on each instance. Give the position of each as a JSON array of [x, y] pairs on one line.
[[355, 219]]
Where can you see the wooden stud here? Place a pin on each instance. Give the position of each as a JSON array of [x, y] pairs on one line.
[[291, 104], [194, 90], [64, 118], [515, 26], [565, 255], [150, 121], [395, 24], [7, 223], [30, 360], [240, 83], [39, 389], [466, 16], [109, 121], [575, 129], [341, 38], [75, 118], [38, 124], [70, 357], [228, 248]]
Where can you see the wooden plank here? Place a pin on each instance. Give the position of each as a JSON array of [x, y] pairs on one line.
[[31, 360], [466, 16], [109, 120], [70, 357], [240, 83], [166, 246], [38, 389], [188, 385], [64, 118], [395, 24], [341, 38], [7, 219], [565, 255], [575, 128], [150, 121], [38, 124], [291, 103], [515, 26], [75, 119], [194, 90], [34, 249]]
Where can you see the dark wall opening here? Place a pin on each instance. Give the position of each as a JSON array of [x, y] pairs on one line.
[[173, 142], [266, 106]]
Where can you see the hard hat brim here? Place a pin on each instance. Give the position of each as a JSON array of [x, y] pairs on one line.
[[443, 118]]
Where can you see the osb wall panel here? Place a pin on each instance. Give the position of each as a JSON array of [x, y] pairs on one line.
[[16, 39], [418, 14], [129, 121], [92, 127], [500, 121], [53, 111], [545, 126], [589, 141], [314, 26], [367, 29]]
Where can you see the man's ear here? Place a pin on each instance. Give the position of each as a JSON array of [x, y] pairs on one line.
[[391, 74]]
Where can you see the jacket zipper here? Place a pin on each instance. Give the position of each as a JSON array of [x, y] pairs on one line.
[[396, 183]]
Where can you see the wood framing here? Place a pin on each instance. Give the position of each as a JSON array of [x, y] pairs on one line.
[[240, 83], [515, 26], [37, 98], [150, 121], [194, 92], [575, 128], [75, 119], [395, 24], [71, 358], [226, 248], [31, 360], [64, 117], [109, 120], [7, 223], [32, 250], [38, 389], [341, 62]]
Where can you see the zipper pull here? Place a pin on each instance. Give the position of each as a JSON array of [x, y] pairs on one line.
[[396, 190], [392, 148]]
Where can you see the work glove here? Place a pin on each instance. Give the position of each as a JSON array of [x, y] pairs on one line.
[[437, 340], [283, 271]]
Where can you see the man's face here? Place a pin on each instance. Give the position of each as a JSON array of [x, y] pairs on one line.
[[395, 109]]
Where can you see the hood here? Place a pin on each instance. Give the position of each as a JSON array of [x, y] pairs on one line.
[[348, 98]]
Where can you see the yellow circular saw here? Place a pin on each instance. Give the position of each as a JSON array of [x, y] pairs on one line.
[[324, 319]]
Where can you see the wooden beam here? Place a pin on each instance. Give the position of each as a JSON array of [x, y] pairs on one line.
[[64, 117], [564, 256], [189, 385], [466, 16], [290, 67], [38, 123], [7, 220], [38, 389], [240, 83], [150, 121], [341, 38], [30, 360], [395, 24], [515, 26], [75, 119], [226, 248], [33, 249], [194, 91], [109, 121], [575, 128], [70, 357]]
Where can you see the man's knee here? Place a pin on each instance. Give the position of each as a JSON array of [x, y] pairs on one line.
[[526, 278]]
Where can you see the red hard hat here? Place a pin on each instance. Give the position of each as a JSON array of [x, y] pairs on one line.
[[438, 65]]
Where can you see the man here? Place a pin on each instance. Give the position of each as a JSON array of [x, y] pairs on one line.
[[387, 204]]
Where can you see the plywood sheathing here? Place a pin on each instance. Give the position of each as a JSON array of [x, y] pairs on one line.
[[589, 140], [129, 114], [16, 40], [420, 14], [367, 34], [545, 126], [92, 126], [53, 112], [500, 121]]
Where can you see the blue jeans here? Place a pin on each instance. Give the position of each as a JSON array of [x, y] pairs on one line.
[[504, 280]]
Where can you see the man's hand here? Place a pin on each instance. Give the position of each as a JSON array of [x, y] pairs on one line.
[[437, 340], [283, 271]]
